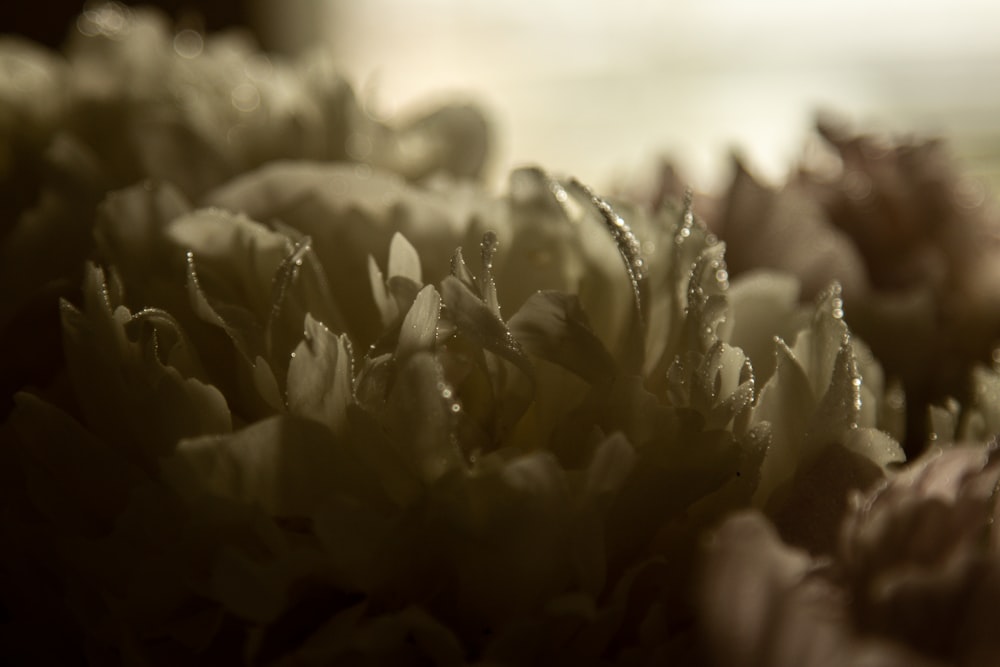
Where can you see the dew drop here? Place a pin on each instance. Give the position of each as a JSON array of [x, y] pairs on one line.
[[488, 247], [837, 309]]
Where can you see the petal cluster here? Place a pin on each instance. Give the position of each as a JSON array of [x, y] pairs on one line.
[[289, 386]]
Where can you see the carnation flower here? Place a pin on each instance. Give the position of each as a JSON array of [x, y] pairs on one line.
[[386, 453], [913, 580], [314, 395], [132, 100], [913, 242]]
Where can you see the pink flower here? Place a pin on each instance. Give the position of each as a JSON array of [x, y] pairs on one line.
[[914, 579]]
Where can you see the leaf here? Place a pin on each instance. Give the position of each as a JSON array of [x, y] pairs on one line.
[[943, 422], [285, 465], [246, 588], [127, 394], [818, 347], [130, 228], [387, 307], [247, 338], [610, 466], [983, 417], [404, 260], [840, 408], [349, 217], [552, 325], [475, 319], [320, 376], [298, 288], [762, 305], [419, 330], [72, 477], [238, 323], [875, 446], [237, 257], [787, 403], [420, 414]]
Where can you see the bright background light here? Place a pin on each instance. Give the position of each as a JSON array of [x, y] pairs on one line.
[[599, 89]]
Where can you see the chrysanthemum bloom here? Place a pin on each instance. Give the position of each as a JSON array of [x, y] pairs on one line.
[[913, 580]]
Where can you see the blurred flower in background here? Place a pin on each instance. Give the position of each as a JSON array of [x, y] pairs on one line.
[[597, 90]]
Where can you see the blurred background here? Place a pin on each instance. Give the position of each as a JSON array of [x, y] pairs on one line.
[[600, 90]]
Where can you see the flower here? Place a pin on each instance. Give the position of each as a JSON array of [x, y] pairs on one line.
[[131, 101], [913, 242], [912, 581], [436, 470], [307, 404]]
